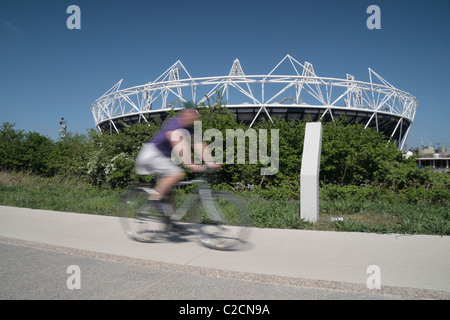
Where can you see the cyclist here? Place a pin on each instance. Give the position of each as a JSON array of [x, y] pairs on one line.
[[155, 156]]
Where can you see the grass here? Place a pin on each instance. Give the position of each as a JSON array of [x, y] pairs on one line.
[[59, 194], [358, 216], [383, 216]]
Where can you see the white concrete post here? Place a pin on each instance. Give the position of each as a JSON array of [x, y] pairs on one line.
[[309, 175]]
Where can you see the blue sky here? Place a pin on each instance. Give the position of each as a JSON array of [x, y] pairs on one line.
[[48, 71]]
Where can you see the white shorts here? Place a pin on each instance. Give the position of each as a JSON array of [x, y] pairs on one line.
[[151, 161]]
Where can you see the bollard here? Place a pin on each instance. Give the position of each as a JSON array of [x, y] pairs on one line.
[[309, 174]]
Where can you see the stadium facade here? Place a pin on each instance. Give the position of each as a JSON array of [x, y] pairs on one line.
[[291, 90]]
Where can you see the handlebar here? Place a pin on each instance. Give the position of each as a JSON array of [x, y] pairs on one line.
[[209, 167], [208, 174]]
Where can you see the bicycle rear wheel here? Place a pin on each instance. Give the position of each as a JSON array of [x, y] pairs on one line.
[[140, 221], [227, 221]]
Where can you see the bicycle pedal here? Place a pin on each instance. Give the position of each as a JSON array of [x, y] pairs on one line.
[[142, 215], [174, 227]]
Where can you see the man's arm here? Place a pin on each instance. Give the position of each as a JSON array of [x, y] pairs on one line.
[[185, 146]]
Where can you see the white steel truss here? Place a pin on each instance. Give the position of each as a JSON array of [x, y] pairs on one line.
[[296, 91]]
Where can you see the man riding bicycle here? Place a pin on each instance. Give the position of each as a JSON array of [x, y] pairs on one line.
[[155, 156]]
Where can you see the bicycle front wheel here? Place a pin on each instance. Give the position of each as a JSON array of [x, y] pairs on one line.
[[140, 221], [227, 221]]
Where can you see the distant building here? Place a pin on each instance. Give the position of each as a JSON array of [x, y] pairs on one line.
[[438, 163], [444, 151], [438, 158], [427, 151]]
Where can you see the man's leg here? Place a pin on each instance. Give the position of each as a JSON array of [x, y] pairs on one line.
[[165, 184]]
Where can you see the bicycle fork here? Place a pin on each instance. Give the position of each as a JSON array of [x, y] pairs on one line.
[[209, 205]]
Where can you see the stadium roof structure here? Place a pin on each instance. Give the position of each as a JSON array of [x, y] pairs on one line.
[[291, 90]]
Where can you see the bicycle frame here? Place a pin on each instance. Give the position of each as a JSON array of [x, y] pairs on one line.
[[178, 214], [220, 217]]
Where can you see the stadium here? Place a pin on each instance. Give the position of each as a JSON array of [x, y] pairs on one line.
[[291, 90]]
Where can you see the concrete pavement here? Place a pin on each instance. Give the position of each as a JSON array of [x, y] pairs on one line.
[[275, 264]]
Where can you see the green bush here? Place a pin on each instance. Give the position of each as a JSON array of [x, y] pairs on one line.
[[357, 164], [27, 152]]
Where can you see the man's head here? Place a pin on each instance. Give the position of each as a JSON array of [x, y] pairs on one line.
[[189, 113]]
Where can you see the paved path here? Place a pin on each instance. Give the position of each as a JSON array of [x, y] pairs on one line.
[[38, 246]]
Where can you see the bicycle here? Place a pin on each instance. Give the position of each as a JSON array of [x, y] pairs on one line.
[[221, 219]]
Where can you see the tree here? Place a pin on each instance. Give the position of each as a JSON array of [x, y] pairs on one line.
[[11, 141], [19, 151], [36, 152], [69, 156]]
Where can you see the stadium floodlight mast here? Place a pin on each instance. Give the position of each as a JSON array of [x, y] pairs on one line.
[[62, 131], [291, 90]]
